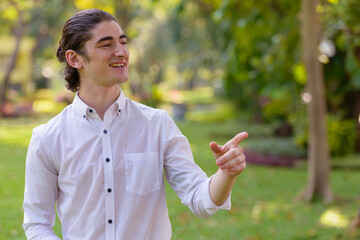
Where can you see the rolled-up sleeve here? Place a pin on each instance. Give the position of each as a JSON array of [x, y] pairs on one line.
[[208, 203], [40, 191], [187, 179]]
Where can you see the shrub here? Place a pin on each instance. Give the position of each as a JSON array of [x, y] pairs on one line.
[[342, 135]]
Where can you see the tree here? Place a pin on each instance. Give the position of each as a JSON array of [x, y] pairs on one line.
[[318, 152], [46, 19], [260, 42], [170, 50], [342, 27], [18, 32], [35, 19]]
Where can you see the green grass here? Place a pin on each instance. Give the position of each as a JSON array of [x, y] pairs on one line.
[[14, 138], [263, 199]]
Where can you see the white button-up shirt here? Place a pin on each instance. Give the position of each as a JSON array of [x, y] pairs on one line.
[[107, 177]]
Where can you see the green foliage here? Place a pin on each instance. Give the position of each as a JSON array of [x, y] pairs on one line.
[[277, 109], [298, 119], [261, 40], [341, 28], [346, 162], [353, 68], [342, 134], [343, 16], [264, 70], [278, 146], [219, 112]]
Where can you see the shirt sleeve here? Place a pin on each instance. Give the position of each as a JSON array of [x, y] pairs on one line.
[[187, 179], [40, 191]]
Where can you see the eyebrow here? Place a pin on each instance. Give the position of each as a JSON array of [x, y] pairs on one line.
[[110, 38]]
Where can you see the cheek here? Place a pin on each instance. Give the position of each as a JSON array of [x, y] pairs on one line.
[[126, 49]]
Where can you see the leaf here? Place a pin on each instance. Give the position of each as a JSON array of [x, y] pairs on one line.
[[299, 72], [10, 13]]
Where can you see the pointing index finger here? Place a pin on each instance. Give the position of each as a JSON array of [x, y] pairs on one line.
[[237, 139]]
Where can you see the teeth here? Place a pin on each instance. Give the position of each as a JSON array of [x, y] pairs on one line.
[[118, 65]]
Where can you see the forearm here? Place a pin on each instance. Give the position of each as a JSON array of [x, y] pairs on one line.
[[220, 187]]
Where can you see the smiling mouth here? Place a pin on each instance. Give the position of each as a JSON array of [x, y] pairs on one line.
[[117, 65]]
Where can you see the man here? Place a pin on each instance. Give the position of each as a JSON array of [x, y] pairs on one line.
[[102, 160]]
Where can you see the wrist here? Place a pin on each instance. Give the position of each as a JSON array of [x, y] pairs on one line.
[[226, 176]]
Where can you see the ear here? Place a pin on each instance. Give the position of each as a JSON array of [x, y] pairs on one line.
[[74, 59]]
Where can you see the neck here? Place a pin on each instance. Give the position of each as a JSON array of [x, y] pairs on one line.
[[98, 97]]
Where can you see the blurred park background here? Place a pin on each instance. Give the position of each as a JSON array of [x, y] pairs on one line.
[[218, 67]]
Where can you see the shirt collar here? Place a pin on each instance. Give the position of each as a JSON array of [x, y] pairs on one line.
[[120, 102], [85, 111]]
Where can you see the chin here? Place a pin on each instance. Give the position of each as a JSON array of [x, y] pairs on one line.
[[121, 81]]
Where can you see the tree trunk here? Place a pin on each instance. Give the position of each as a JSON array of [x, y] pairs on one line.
[[19, 31], [318, 152], [355, 106]]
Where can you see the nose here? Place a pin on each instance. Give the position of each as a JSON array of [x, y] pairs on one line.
[[121, 50]]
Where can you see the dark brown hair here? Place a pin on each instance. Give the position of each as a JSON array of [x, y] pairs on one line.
[[76, 32]]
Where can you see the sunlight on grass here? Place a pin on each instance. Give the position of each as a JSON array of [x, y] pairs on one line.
[[333, 218], [255, 213], [269, 210], [15, 135]]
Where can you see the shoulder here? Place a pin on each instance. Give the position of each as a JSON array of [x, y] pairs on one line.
[[53, 126], [146, 111]]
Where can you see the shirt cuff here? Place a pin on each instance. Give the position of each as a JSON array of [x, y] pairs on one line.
[[208, 202]]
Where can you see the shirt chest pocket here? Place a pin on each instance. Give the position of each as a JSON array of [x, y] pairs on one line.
[[143, 172]]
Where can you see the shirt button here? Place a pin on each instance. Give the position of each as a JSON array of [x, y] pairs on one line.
[[107, 159], [110, 221], [105, 132], [90, 110], [109, 190]]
